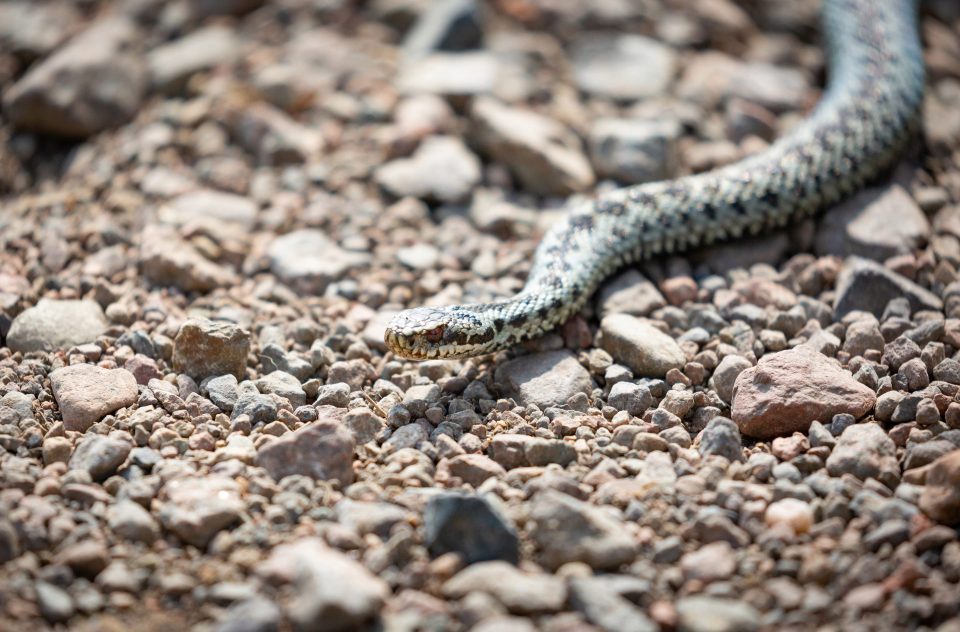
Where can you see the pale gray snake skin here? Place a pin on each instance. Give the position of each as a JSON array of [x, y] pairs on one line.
[[866, 117]]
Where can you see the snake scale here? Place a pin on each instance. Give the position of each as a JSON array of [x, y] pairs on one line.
[[867, 115]]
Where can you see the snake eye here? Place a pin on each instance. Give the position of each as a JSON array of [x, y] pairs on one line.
[[434, 335]]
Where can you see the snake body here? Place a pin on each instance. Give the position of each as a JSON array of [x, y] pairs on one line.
[[867, 115]]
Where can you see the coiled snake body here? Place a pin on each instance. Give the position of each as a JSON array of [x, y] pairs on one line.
[[866, 117]]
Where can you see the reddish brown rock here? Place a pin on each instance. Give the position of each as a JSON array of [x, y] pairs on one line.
[[785, 392], [322, 451], [473, 469], [85, 393], [941, 495]]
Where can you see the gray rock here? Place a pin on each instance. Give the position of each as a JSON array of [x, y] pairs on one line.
[[470, 525], [726, 373], [606, 609], [876, 223], [446, 25], [196, 509], [92, 83], [545, 379], [128, 520], [370, 517], [635, 151], [100, 456], [204, 347], [323, 451], [646, 350], [517, 591], [273, 137], [167, 260], [441, 169], [52, 325], [337, 394], [862, 336], [86, 393], [606, 65], [543, 154], [633, 398], [721, 437], [701, 613], [212, 209], [257, 614], [309, 260], [283, 385], [451, 74], [55, 603], [20, 403], [629, 293], [865, 285], [408, 436], [569, 530], [332, 591], [172, 64], [222, 391], [29, 30], [865, 451]]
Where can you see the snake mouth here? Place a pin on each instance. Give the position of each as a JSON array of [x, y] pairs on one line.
[[408, 347]]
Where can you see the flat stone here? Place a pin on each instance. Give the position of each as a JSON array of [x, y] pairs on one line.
[[543, 154], [474, 469], [196, 509], [646, 350], [55, 603], [172, 64], [308, 260], [323, 451], [606, 65], [332, 591], [941, 492], [635, 151], [867, 286], [441, 169], [788, 390], [517, 591], [100, 456], [629, 293], [211, 209], [86, 393], [876, 223], [167, 260], [283, 385], [205, 348], [56, 324], [92, 83], [128, 520], [865, 451], [701, 613], [606, 609], [546, 379], [275, 138], [471, 526]]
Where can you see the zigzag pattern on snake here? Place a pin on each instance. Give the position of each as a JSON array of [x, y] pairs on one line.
[[866, 116]]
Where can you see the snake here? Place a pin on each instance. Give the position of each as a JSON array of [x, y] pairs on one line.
[[864, 120]]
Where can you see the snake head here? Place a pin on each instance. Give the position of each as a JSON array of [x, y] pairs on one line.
[[430, 332]]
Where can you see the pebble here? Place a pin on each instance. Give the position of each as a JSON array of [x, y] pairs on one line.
[[517, 591], [646, 350], [128, 520], [721, 437], [309, 261], [211, 209], [941, 492], [99, 456], [607, 610], [606, 66], [867, 286], [474, 469], [86, 393], [441, 169], [168, 260], [52, 325], [791, 512], [204, 348], [544, 156], [634, 151], [55, 603], [283, 385], [172, 64], [322, 451], [196, 509], [788, 390], [703, 613], [865, 451], [726, 373], [545, 379], [629, 293], [711, 562], [471, 526]]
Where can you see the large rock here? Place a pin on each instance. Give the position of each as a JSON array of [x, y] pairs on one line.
[[206, 348], [86, 393], [545, 379], [470, 525], [865, 451], [308, 260], [645, 349], [322, 451], [94, 82], [332, 591], [197, 508], [786, 391], [941, 495], [865, 285], [544, 155], [876, 223], [211, 209], [52, 325]]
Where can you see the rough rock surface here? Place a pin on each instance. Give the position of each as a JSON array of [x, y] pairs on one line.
[[86, 393]]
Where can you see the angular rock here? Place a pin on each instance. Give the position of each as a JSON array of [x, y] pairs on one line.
[[196, 509], [441, 169], [941, 493], [100, 456], [865, 451], [788, 390], [517, 591], [471, 526], [634, 152], [168, 260], [721, 437], [173, 63], [606, 66], [86, 393], [646, 350], [629, 293], [726, 373], [131, 521], [323, 451], [867, 286], [52, 325], [702, 613], [308, 260], [546, 379], [204, 348]]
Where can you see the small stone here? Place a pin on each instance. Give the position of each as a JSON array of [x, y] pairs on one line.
[[205, 348], [941, 493], [309, 260], [55, 603], [222, 391], [702, 613], [726, 373], [546, 379], [214, 210], [629, 293], [867, 286], [418, 256], [635, 151], [100, 456], [605, 608], [257, 614], [711, 562], [322, 451], [448, 25], [721, 437], [86, 393], [52, 325], [441, 169], [196, 509], [173, 63], [646, 350], [128, 520], [862, 336], [471, 526], [788, 390], [87, 558], [283, 385], [9, 542], [474, 469], [517, 591], [865, 451], [605, 66], [544, 155], [332, 591], [168, 260], [635, 399], [273, 137], [56, 450], [791, 512]]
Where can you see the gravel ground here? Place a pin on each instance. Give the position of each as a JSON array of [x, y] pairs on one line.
[[210, 208]]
